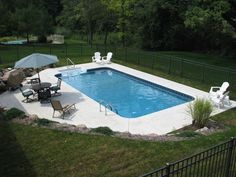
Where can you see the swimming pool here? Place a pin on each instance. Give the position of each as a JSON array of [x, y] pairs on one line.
[[132, 97], [14, 42]]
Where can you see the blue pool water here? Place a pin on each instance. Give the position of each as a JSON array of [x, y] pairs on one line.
[[15, 42], [130, 96]]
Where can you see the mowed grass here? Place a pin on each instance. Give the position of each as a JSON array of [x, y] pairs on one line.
[[185, 67], [32, 151]]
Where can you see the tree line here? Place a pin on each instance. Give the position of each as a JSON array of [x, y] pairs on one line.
[[151, 24]]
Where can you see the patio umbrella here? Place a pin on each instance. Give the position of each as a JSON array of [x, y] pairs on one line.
[[36, 61]]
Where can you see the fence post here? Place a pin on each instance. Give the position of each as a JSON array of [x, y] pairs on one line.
[[126, 54], [229, 157], [66, 49], [138, 58], [228, 76], [203, 74], [153, 62], [81, 49], [167, 170], [181, 72], [17, 52], [105, 48], [169, 66], [50, 48]]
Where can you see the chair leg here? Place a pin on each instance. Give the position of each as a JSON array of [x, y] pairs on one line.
[[53, 113], [27, 99]]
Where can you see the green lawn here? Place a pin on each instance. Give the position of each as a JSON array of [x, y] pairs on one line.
[[171, 63], [32, 151]]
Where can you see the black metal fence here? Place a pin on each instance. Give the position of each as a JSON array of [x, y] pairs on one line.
[[153, 60], [218, 161]]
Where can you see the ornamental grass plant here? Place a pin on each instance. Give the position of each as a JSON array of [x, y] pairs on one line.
[[200, 110]]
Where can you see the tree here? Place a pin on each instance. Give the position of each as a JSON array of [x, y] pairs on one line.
[[209, 28], [33, 20], [53, 8], [68, 16], [230, 15], [107, 22], [158, 24], [7, 23], [123, 12], [89, 12]]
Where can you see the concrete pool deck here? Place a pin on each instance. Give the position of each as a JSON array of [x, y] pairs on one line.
[[88, 113]]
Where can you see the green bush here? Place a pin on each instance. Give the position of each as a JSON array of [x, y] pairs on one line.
[[13, 113], [188, 134], [43, 122], [103, 130], [200, 110]]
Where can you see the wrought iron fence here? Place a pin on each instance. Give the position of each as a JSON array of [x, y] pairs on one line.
[[218, 161], [153, 60]]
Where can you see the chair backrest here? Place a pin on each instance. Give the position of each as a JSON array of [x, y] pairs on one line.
[[56, 105], [97, 55], [59, 82], [224, 87], [21, 91], [35, 81], [109, 55]]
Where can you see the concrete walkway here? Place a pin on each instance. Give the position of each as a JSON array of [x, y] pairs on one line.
[[88, 113]]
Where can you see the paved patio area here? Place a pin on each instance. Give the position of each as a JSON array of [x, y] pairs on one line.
[[88, 113]]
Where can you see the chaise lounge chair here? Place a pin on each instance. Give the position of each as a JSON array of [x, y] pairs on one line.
[[97, 57], [220, 100], [107, 59], [214, 91], [56, 105]]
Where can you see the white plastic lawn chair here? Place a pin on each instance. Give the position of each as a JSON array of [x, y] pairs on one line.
[[97, 57], [107, 59], [221, 100], [216, 91]]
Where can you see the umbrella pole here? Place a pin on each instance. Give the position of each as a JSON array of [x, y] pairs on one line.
[[39, 76]]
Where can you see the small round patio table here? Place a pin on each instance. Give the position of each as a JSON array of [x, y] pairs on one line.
[[40, 86]]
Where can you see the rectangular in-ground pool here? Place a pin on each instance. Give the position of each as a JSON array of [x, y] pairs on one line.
[[130, 96]]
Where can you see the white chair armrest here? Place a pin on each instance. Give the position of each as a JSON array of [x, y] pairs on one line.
[[104, 58], [213, 88]]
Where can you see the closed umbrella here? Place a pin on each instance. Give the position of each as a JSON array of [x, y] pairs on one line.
[[36, 60]]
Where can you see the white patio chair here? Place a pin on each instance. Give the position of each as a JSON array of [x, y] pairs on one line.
[[221, 100], [214, 91], [107, 59], [97, 57]]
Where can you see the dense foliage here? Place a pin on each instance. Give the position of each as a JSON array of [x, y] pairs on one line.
[[151, 24]]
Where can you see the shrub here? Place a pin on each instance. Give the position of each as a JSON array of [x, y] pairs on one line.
[[188, 134], [43, 122], [103, 130], [200, 110], [13, 113]]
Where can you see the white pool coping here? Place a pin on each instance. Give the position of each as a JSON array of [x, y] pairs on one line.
[[88, 113]]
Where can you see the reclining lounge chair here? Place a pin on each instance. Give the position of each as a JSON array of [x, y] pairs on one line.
[[56, 105]]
